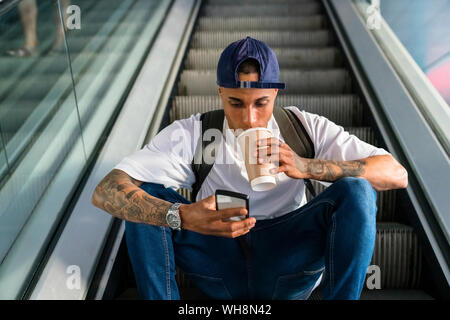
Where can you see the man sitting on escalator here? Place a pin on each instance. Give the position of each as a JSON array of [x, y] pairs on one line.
[[291, 243]]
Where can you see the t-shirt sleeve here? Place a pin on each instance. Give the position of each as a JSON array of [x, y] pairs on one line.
[[332, 142], [167, 158]]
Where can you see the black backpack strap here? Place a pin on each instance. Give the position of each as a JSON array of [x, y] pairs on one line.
[[209, 120], [295, 135]]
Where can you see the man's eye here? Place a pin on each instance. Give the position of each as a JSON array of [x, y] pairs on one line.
[[261, 104]]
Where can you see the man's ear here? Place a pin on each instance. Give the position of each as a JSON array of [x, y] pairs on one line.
[[219, 91]]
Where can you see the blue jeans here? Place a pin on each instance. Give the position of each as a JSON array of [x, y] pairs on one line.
[[334, 232]]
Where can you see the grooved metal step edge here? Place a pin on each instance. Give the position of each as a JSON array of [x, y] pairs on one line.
[[261, 23], [397, 254], [291, 39], [302, 9], [329, 81], [304, 58], [345, 110]]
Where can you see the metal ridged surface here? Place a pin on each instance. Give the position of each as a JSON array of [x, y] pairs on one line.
[[332, 81], [221, 39], [261, 23], [203, 59], [345, 110], [398, 254], [302, 9]]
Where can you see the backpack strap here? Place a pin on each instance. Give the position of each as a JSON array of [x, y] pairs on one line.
[[209, 120], [293, 132], [295, 135]]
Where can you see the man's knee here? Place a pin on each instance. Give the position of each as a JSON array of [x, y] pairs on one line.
[[161, 192], [359, 194], [152, 188]]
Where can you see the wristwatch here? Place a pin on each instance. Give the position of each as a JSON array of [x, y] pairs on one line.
[[173, 217]]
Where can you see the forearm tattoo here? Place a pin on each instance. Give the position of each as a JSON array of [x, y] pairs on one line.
[[330, 170], [119, 196]]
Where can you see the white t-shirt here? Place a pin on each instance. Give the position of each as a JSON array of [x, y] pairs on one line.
[[167, 160]]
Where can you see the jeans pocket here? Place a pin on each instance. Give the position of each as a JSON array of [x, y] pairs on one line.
[[213, 287], [297, 286]]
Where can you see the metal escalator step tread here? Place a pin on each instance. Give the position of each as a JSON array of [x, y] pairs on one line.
[[292, 39], [328, 81], [318, 58], [399, 256], [345, 110], [302, 9], [261, 23]]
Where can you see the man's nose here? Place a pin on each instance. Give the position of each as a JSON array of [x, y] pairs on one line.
[[250, 118]]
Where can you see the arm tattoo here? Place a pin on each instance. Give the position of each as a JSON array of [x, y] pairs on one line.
[[330, 170], [118, 195]]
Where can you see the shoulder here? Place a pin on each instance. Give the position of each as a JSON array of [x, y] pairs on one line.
[[306, 117], [179, 135], [184, 127], [311, 121], [187, 123]]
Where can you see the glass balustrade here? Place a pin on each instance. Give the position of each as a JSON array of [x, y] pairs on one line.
[[65, 68]]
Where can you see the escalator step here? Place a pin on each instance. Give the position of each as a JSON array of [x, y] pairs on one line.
[[397, 253], [261, 23], [292, 39], [331, 81], [399, 256], [345, 110], [287, 58], [302, 9]]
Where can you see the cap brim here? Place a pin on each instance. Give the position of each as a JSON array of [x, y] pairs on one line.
[[253, 84]]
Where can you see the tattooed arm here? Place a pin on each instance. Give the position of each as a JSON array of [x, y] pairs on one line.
[[383, 172], [120, 195]]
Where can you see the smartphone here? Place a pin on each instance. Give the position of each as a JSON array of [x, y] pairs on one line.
[[228, 199]]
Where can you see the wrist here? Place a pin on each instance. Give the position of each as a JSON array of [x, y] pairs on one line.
[[303, 166], [182, 211]]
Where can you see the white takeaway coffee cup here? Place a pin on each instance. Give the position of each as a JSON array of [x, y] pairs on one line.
[[258, 174]]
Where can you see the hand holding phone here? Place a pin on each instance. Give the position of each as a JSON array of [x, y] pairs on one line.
[[228, 199], [208, 217]]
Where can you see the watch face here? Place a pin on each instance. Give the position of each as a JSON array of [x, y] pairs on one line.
[[173, 221]]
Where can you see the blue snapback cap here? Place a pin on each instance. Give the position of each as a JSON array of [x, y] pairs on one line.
[[236, 53]]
